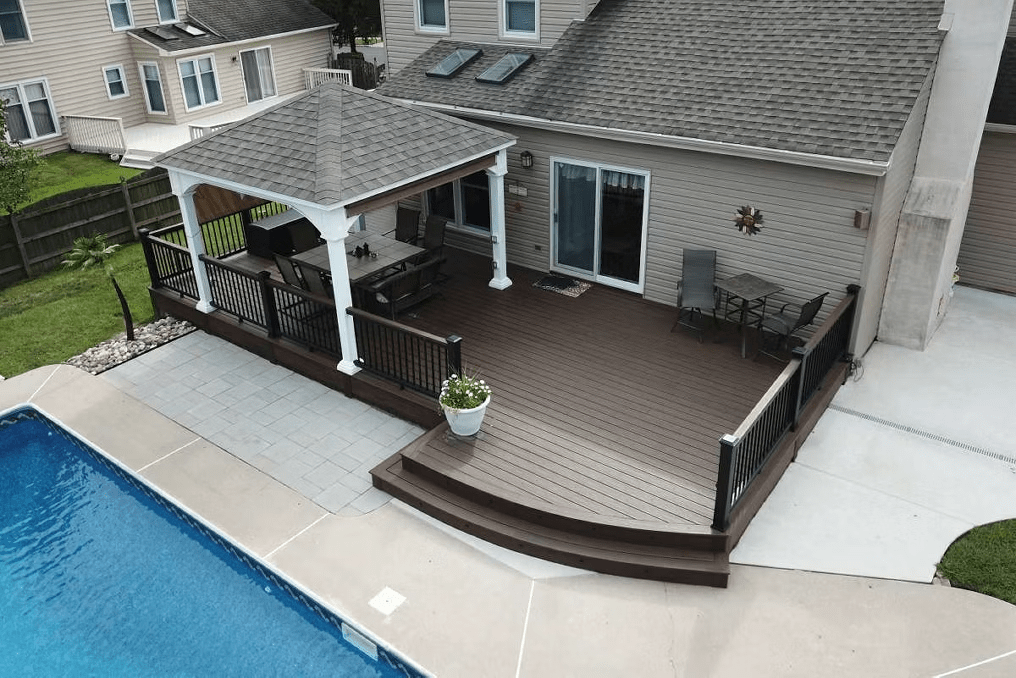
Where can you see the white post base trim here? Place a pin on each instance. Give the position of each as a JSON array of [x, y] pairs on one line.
[[204, 307], [347, 367], [500, 283]]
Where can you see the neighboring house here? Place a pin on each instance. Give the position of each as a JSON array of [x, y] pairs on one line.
[[149, 61], [647, 123]]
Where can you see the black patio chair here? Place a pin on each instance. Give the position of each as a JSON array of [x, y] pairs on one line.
[[697, 290], [290, 272], [433, 235], [316, 282], [407, 225], [783, 324]]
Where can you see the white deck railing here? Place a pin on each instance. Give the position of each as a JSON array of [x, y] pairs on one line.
[[315, 76], [91, 134], [198, 131]]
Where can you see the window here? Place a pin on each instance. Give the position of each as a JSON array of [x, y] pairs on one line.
[[432, 15], [12, 21], [200, 87], [464, 202], [120, 14], [454, 62], [152, 81], [29, 112], [167, 11], [258, 78], [116, 83], [520, 18], [505, 68]]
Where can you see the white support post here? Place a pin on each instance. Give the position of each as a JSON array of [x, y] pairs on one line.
[[334, 226], [184, 188], [495, 181]]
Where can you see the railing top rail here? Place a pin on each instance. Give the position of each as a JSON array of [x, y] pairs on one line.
[[359, 313], [91, 117], [165, 229]]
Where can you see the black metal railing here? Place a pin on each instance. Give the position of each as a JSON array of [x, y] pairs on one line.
[[236, 291], [413, 359], [302, 317], [169, 265], [744, 453]]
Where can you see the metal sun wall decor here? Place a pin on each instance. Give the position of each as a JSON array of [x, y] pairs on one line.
[[748, 220]]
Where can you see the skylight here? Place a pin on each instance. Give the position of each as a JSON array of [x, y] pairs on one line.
[[193, 30], [454, 62], [162, 33], [505, 68]]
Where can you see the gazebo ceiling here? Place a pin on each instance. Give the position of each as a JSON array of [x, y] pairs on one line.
[[336, 145]]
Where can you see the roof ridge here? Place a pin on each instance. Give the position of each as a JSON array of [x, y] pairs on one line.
[[328, 147]]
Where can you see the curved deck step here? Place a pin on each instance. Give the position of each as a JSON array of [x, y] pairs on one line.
[[599, 553]]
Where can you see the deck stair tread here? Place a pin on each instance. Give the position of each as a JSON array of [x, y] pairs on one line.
[[576, 548]]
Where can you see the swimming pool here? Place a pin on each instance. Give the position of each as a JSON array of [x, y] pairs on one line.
[[101, 576]]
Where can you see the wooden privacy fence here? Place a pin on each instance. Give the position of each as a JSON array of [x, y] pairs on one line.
[[35, 240], [744, 454]]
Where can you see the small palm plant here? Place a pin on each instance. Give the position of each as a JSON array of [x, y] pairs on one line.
[[93, 251]]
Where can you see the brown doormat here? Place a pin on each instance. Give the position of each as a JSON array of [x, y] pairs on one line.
[[562, 284]]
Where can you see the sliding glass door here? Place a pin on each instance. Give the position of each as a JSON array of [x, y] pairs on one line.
[[599, 223]]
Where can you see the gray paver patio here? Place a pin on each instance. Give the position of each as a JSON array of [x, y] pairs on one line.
[[315, 440]]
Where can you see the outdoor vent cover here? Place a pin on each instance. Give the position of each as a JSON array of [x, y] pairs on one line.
[[454, 62], [505, 68]]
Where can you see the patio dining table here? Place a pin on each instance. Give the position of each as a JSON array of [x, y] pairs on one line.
[[748, 294], [385, 253]]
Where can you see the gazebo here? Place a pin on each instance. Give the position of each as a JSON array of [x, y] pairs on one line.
[[333, 154]]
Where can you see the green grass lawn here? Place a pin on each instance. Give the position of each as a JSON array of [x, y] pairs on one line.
[[62, 172], [984, 560], [61, 314]]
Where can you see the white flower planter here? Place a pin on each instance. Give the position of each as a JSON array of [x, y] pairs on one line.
[[466, 422]]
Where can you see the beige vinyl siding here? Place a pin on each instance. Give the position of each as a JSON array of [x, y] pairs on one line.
[[987, 256], [69, 48], [885, 219], [809, 243], [290, 55], [468, 21]]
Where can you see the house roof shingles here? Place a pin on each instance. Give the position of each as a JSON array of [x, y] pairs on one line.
[[234, 20], [825, 77], [334, 144]]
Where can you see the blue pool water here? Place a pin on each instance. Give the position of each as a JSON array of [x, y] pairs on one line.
[[99, 578]]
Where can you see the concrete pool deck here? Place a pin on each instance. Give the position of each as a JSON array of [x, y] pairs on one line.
[[471, 609]]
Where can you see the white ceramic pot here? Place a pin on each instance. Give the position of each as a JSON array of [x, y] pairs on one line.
[[465, 422]]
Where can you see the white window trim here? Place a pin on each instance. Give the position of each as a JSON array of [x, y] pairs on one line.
[[20, 85], [458, 224], [431, 30], [24, 19], [502, 23], [271, 58], [144, 89], [215, 72], [176, 12], [638, 287], [123, 79], [130, 16]]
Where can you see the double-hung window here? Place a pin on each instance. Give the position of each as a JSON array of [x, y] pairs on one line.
[[120, 14], [152, 81], [200, 87], [432, 16], [116, 83], [29, 110], [167, 11], [464, 202], [12, 22], [520, 18]]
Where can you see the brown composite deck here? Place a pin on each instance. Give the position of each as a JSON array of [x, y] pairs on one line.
[[601, 415]]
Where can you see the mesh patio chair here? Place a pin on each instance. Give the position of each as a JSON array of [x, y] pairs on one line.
[[697, 290], [315, 280], [434, 234], [783, 324], [407, 225], [290, 273]]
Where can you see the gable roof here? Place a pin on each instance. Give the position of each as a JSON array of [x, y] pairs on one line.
[[333, 145], [825, 77], [236, 20]]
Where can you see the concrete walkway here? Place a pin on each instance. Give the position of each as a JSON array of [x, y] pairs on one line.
[[910, 456]]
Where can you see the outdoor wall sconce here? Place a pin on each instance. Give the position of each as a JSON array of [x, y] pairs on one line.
[[862, 219], [526, 158]]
